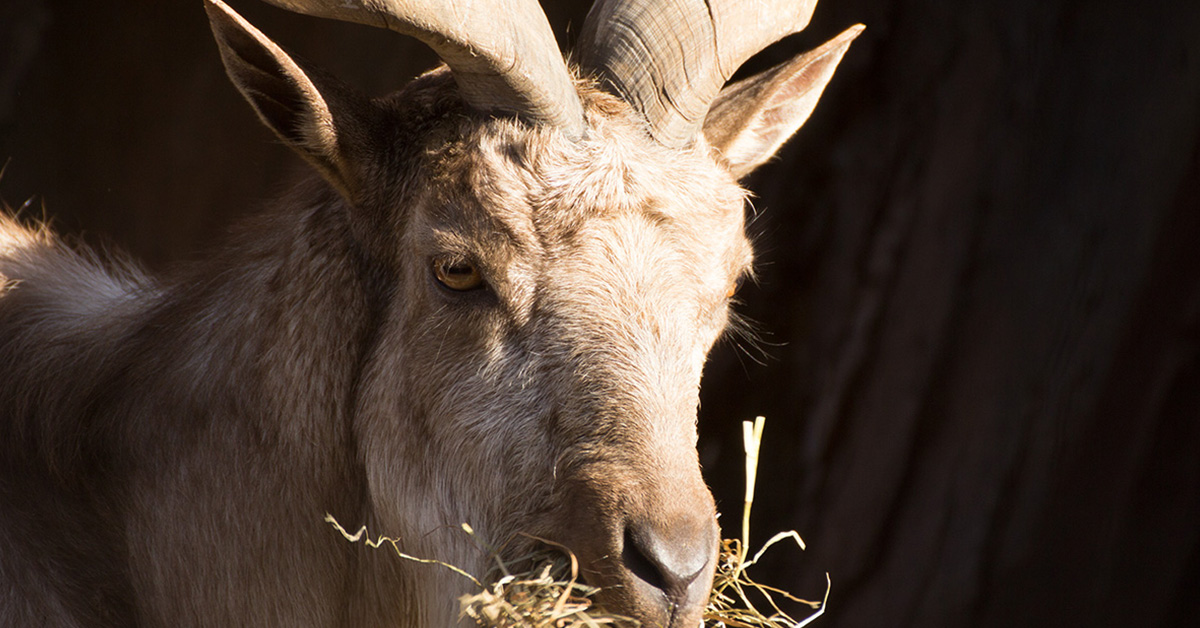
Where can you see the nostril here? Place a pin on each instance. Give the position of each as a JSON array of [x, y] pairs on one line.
[[640, 565], [667, 564]]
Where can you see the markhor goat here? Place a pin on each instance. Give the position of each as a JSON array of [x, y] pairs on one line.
[[490, 304]]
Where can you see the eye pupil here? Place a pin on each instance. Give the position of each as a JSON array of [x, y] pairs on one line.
[[457, 274]]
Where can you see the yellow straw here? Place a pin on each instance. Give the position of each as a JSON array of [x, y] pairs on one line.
[[751, 439]]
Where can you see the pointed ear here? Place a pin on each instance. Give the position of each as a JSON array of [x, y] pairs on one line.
[[319, 124], [752, 118]]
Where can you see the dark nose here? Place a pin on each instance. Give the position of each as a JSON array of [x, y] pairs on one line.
[[674, 560]]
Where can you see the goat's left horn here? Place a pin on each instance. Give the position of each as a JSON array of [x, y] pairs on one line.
[[502, 52]]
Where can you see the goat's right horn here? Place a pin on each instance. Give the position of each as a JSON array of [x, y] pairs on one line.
[[670, 58], [502, 52]]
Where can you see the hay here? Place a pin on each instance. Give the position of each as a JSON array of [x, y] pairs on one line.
[[543, 590], [549, 596], [730, 604]]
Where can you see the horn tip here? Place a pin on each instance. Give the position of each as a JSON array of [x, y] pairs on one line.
[[211, 6]]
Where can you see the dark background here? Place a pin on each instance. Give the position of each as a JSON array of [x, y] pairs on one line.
[[979, 294]]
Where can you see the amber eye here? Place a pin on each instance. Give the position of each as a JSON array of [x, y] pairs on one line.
[[457, 274], [734, 287]]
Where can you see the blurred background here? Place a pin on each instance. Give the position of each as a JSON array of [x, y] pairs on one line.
[[978, 295]]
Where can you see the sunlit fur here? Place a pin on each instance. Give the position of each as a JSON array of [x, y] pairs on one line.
[[169, 446]]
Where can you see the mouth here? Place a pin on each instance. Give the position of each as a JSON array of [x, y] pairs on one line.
[[549, 586], [544, 588]]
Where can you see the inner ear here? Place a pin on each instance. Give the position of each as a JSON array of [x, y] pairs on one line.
[[282, 95], [288, 100], [751, 119]]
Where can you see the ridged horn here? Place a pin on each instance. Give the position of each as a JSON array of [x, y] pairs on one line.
[[502, 52], [670, 58]]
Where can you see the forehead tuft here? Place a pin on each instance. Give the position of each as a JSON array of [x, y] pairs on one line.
[[534, 178]]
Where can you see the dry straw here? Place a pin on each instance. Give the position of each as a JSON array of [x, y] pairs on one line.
[[543, 590], [732, 602]]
